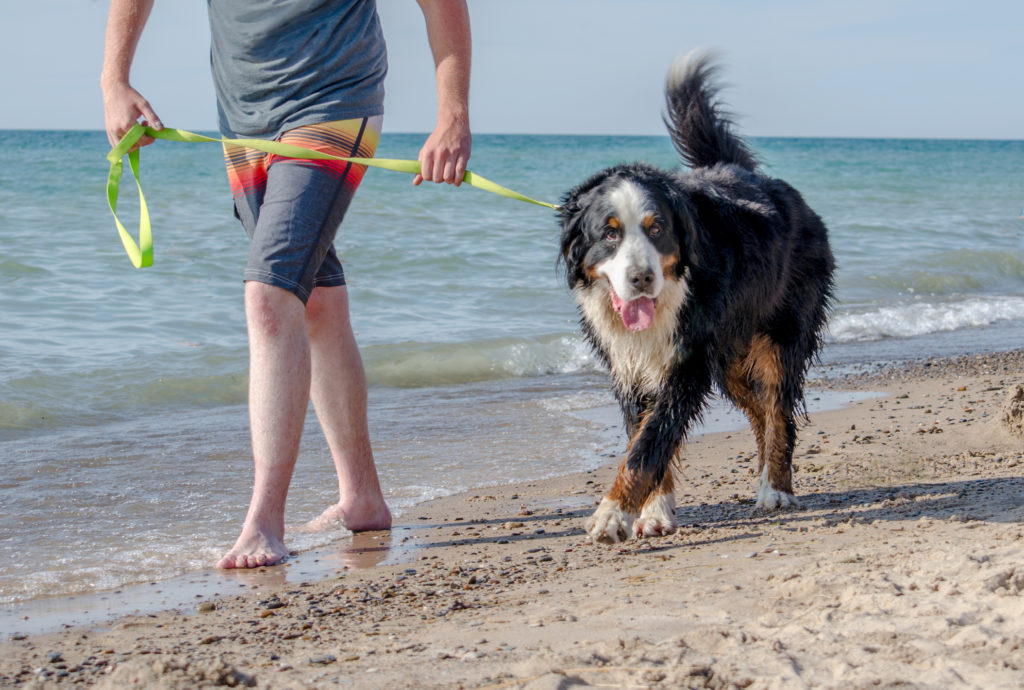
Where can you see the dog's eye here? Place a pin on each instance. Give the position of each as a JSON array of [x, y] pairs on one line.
[[611, 234], [654, 230]]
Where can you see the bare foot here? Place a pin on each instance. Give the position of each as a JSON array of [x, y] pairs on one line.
[[359, 516], [254, 548]]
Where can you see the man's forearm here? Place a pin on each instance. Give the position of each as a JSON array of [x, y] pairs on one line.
[[125, 22], [448, 30]]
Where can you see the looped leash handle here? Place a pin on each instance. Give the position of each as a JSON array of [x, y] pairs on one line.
[[141, 253]]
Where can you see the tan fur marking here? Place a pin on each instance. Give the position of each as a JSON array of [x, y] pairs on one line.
[[762, 365], [623, 488], [631, 489], [667, 486], [737, 384], [614, 223], [763, 361]]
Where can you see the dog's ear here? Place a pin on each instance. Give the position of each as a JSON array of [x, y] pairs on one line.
[[572, 214]]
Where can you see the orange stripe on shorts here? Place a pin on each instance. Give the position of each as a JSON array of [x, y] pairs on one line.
[[247, 168]]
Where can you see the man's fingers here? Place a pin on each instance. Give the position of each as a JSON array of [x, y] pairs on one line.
[[460, 170], [149, 116], [449, 171], [426, 168], [440, 166]]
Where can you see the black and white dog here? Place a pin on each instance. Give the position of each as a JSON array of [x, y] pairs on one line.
[[716, 277]]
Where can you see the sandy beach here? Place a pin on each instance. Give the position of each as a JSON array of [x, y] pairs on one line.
[[904, 568]]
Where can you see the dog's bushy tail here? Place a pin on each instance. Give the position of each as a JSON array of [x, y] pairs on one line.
[[700, 130]]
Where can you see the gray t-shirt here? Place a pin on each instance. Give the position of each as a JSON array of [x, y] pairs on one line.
[[278, 64]]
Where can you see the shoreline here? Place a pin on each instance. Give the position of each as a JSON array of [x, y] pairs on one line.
[[48, 614], [912, 515]]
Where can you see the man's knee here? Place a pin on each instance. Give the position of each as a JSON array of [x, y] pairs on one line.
[[327, 308], [270, 309]]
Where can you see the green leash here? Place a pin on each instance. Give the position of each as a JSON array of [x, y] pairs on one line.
[[141, 253]]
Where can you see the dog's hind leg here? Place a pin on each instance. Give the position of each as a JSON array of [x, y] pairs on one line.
[[757, 385], [740, 389], [775, 488]]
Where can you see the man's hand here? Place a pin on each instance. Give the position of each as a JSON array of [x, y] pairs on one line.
[[445, 154], [122, 108]]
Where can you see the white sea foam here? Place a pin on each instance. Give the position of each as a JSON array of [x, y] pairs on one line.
[[923, 317]]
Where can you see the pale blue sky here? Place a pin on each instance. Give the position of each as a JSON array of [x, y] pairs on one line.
[[871, 68]]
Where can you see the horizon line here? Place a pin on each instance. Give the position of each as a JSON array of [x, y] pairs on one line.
[[591, 134]]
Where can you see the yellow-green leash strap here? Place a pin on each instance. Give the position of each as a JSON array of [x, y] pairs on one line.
[[141, 253]]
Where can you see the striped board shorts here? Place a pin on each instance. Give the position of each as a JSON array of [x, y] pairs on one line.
[[291, 209]]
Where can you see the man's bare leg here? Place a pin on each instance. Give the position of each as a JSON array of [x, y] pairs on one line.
[[279, 375], [338, 389]]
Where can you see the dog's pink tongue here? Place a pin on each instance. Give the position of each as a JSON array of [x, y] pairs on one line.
[[638, 314]]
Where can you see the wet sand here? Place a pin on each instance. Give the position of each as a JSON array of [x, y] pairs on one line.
[[905, 567]]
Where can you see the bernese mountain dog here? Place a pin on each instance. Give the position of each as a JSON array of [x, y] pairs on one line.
[[717, 277]]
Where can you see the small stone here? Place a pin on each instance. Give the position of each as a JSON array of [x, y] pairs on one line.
[[206, 607], [323, 659]]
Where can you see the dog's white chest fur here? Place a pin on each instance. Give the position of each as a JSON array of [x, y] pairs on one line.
[[638, 359]]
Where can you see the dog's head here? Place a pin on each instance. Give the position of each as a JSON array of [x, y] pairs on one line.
[[626, 227]]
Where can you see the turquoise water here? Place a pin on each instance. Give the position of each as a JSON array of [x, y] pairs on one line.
[[123, 437]]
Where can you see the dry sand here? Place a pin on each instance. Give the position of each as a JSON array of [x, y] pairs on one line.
[[905, 568]]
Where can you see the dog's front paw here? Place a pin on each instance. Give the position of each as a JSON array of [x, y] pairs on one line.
[[657, 518], [609, 524], [770, 499]]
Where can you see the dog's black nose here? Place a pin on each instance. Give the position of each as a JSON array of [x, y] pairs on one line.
[[641, 279]]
